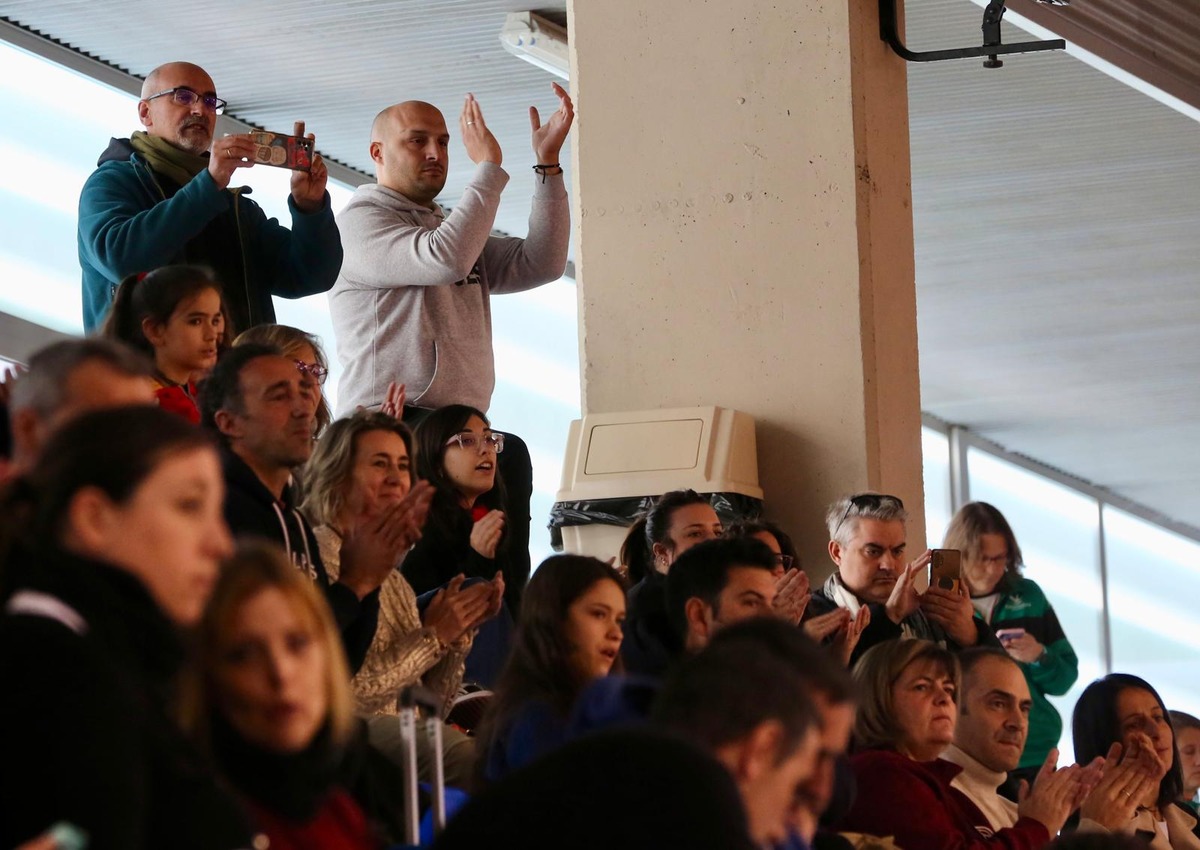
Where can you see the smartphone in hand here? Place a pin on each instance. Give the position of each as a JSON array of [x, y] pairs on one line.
[[945, 569], [292, 152], [1005, 635]]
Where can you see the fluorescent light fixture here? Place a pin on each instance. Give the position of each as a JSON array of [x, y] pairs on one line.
[[538, 41]]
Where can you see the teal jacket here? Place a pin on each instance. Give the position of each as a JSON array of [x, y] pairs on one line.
[[1024, 606], [127, 224]]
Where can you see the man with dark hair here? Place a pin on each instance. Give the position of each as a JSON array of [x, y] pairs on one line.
[[716, 583], [745, 698], [735, 737], [989, 737], [263, 409], [162, 197], [66, 379]]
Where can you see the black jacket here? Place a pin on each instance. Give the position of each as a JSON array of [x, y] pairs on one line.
[[253, 512], [87, 660], [651, 643]]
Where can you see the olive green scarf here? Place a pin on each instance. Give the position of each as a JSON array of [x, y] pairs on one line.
[[176, 165]]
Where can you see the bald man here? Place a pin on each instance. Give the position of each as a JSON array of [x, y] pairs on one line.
[[162, 196], [411, 303]]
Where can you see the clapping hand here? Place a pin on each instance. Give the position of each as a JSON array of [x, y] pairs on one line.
[[308, 187]]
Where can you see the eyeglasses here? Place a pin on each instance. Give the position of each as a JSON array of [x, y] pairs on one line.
[[186, 97], [785, 561], [471, 442], [866, 501], [313, 370]]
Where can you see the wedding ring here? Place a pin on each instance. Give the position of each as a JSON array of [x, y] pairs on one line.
[[469, 123]]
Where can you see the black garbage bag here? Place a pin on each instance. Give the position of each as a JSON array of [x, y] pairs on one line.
[[730, 507]]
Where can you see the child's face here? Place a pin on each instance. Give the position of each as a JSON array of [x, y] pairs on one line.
[[188, 342]]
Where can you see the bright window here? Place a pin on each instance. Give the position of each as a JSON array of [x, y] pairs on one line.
[[1152, 579], [935, 456]]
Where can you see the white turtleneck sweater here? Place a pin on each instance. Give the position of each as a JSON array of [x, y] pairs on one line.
[[980, 784]]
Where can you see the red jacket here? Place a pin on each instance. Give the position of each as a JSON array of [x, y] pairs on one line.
[[913, 802], [179, 400]]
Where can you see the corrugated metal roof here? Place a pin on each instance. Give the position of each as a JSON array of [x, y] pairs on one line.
[[1055, 209], [1056, 213]]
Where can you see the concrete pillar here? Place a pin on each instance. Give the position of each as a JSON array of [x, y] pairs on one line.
[[744, 236]]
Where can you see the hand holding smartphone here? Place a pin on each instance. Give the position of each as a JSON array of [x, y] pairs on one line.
[[945, 569], [1005, 635]]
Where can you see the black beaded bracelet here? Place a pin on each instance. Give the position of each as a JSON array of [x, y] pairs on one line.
[[544, 170]]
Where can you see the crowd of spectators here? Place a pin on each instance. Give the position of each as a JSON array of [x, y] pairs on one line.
[[214, 592]]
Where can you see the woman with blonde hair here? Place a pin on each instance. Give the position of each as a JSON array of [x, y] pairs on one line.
[[360, 468], [270, 698], [1022, 618], [906, 718]]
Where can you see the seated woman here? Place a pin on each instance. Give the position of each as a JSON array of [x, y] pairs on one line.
[[465, 533], [906, 718], [1122, 717], [677, 521], [360, 468], [568, 635], [270, 698], [1022, 617], [119, 537]]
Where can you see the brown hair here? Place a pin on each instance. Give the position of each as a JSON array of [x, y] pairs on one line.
[[876, 673], [252, 569], [966, 530], [327, 473]]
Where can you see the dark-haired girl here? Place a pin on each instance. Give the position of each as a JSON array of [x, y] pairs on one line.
[[175, 315], [678, 520], [568, 635]]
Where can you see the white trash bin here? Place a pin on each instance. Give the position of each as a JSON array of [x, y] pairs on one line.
[[616, 460]]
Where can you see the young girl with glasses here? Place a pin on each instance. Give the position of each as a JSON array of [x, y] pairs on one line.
[[175, 315]]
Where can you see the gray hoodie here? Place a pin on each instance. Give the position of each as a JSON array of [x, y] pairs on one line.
[[411, 302]]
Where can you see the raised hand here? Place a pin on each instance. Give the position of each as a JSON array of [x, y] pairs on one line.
[[548, 138], [480, 143], [228, 154], [791, 595], [455, 610], [823, 625], [486, 533], [1114, 800], [952, 610], [904, 599], [1055, 794], [393, 402], [372, 549], [308, 187], [847, 637]]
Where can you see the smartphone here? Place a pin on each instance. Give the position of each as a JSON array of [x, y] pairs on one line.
[[293, 152], [945, 569], [1009, 634]]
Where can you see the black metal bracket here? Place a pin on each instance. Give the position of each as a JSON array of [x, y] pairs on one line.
[[889, 31]]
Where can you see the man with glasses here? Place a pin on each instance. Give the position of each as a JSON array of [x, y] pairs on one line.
[[162, 197], [867, 542]]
